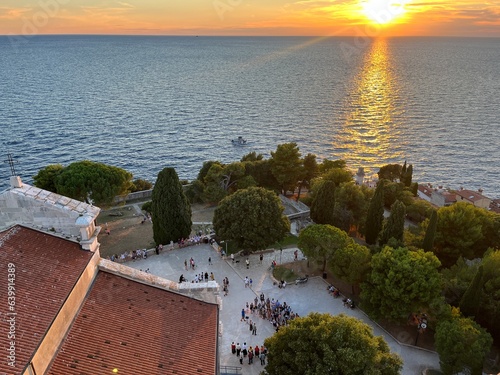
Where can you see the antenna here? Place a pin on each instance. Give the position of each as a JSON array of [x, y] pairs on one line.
[[11, 162]]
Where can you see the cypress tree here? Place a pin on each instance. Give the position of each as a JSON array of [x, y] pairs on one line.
[[323, 204], [471, 299], [170, 208], [430, 233], [395, 224], [375, 215]]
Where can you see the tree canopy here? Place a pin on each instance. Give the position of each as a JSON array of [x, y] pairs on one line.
[[46, 177], [252, 218], [375, 215], [320, 241], [391, 172], [462, 345], [458, 230], [90, 181], [286, 166], [394, 226], [170, 208], [351, 263], [323, 203], [401, 282], [320, 344]]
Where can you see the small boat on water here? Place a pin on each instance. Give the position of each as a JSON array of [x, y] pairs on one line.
[[239, 141]]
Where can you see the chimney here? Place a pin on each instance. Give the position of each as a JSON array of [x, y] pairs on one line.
[[15, 182]]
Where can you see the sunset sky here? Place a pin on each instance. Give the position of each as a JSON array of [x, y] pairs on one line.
[[251, 17]]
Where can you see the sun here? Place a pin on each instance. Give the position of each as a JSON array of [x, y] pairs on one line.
[[383, 11]]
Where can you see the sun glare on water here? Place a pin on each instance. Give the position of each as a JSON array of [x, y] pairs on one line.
[[383, 11]]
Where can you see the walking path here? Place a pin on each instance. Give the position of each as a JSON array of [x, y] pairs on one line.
[[303, 298]]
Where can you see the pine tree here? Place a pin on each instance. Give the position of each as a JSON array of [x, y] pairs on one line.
[[395, 224], [375, 215], [323, 204], [471, 299], [430, 233], [170, 209]]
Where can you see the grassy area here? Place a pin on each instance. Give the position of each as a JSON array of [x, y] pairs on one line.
[[289, 241], [286, 274]]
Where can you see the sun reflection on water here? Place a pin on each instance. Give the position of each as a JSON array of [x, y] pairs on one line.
[[373, 111]]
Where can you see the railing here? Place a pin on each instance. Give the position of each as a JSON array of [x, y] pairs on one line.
[[230, 370]]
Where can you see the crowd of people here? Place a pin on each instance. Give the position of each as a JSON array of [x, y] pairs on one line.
[[244, 352]]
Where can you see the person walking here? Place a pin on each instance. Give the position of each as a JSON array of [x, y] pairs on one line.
[[262, 358], [209, 261], [242, 315], [238, 349], [254, 329]]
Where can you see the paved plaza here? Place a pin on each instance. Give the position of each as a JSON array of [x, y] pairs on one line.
[[303, 298]]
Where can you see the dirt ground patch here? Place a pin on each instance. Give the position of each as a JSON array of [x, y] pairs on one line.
[[128, 231]]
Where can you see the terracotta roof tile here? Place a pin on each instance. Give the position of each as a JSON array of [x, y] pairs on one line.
[[46, 269], [139, 329], [471, 195]]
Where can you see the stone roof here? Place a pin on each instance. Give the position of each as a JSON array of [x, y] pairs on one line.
[[127, 327], [46, 268]]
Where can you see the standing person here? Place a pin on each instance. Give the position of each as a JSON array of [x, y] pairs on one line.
[[233, 348], [246, 281], [254, 330], [206, 276], [209, 261], [250, 357], [261, 258], [244, 349], [232, 258], [242, 315], [238, 349], [257, 351], [212, 277], [248, 263], [241, 358], [262, 358], [250, 283], [185, 264]]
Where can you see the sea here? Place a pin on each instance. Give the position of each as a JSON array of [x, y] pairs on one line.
[[143, 103]]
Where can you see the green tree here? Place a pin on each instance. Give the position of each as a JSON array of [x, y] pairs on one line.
[[140, 185], [320, 344], [457, 279], [90, 181], [458, 230], [462, 345], [327, 165], [46, 177], [400, 282], [375, 215], [395, 224], [286, 166], [170, 208], [309, 171], [323, 204], [260, 171], [319, 242], [252, 156], [430, 233], [251, 218], [419, 210], [338, 175], [489, 310], [351, 263], [471, 300], [406, 175], [391, 172]]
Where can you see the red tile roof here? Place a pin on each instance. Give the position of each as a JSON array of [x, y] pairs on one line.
[[46, 269], [470, 195], [139, 329]]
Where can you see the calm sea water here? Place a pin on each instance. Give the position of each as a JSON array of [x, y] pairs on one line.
[[144, 103]]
